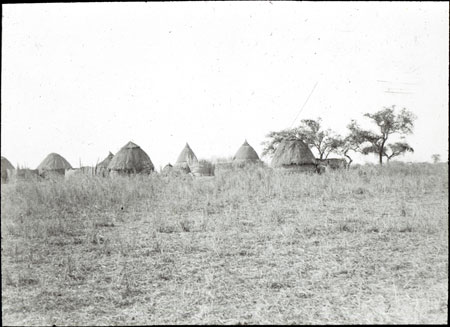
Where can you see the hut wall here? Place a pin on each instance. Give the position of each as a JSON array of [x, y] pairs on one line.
[[310, 168], [54, 173], [202, 170], [333, 163], [25, 174]]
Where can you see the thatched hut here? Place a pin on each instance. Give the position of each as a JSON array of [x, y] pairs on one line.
[[102, 167], [186, 160], [294, 154], [131, 159], [5, 166], [167, 169], [105, 162], [246, 154], [53, 164]]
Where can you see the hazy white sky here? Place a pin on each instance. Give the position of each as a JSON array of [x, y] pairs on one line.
[[84, 79]]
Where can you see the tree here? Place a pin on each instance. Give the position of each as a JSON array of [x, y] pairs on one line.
[[275, 138], [388, 122], [397, 149], [436, 158], [350, 143], [310, 131]]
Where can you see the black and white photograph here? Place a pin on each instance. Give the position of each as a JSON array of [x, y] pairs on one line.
[[224, 163]]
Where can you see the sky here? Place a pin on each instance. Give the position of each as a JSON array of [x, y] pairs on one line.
[[83, 79]]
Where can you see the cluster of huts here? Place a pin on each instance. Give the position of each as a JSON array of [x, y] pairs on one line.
[[290, 155]]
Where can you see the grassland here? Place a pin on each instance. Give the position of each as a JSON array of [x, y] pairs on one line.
[[368, 245]]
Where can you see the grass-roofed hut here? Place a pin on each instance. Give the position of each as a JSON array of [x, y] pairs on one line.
[[131, 159], [102, 167], [53, 164], [294, 155], [105, 162], [5, 166], [167, 169], [245, 155], [186, 160]]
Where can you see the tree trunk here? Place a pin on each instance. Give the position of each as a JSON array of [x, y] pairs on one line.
[[349, 161], [382, 150]]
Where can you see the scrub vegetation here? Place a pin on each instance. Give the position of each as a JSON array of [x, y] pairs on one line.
[[250, 246]]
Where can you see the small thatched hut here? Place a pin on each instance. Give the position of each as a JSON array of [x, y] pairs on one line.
[[101, 168], [186, 160], [131, 159], [5, 166], [105, 162], [167, 169], [246, 154], [294, 154], [53, 164]]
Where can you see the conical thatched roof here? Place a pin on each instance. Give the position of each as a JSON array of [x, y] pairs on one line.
[[54, 161], [5, 164], [292, 152], [187, 156], [106, 161], [131, 158], [246, 153]]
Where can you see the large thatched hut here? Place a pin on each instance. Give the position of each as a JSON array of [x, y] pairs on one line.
[[294, 154], [131, 159], [5, 166], [186, 160], [53, 164]]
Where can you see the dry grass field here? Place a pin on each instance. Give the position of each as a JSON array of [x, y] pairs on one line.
[[254, 246]]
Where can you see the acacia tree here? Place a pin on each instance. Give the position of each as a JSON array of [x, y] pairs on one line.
[[310, 131], [388, 122], [350, 143], [275, 138], [396, 149]]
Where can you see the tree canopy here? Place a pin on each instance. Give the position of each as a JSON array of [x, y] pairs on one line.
[[388, 122], [309, 131]]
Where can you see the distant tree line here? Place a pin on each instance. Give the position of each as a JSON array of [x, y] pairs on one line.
[[387, 122]]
